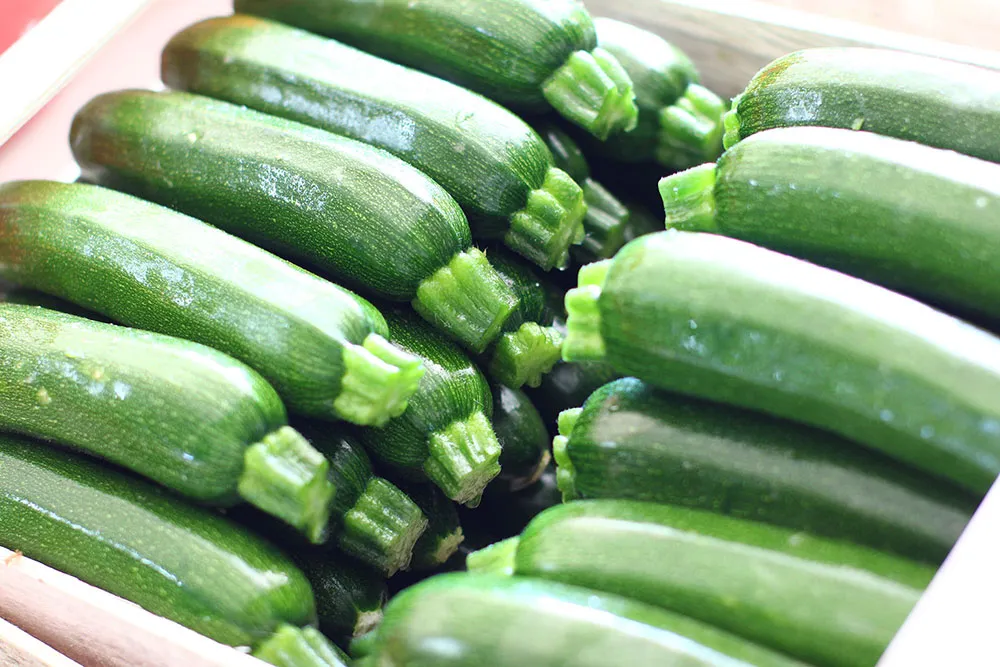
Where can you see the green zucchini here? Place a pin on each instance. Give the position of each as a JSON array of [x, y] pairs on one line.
[[506, 512], [929, 100], [291, 647], [444, 529], [829, 603], [523, 438], [471, 620], [179, 413], [349, 596], [445, 434], [487, 158], [142, 265], [680, 122], [520, 53], [913, 218], [568, 385], [182, 562], [30, 297], [347, 209], [728, 321], [632, 442]]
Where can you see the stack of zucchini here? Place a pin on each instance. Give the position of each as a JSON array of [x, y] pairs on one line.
[[301, 337]]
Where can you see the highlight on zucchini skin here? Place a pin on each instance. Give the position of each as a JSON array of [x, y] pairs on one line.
[[519, 53], [524, 440], [145, 266]]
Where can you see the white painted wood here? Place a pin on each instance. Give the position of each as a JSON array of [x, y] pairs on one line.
[[19, 649]]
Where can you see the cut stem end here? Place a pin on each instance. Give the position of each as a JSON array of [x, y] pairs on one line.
[[524, 356], [382, 527], [583, 322], [691, 128], [379, 379], [689, 199], [550, 222], [595, 92], [464, 458], [299, 647]]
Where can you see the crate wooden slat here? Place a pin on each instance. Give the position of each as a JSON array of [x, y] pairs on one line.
[[19, 649]]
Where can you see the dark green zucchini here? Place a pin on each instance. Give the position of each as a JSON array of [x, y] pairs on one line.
[[506, 512], [349, 596], [829, 603], [139, 264], [347, 209], [473, 620], [521, 53], [630, 441], [445, 434], [916, 219], [444, 529], [933, 101], [568, 385], [524, 440], [487, 158], [728, 321]]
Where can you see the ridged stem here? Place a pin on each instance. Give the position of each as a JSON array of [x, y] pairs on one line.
[[595, 92], [691, 128], [300, 647], [523, 356], [467, 299], [583, 322], [689, 199], [379, 379], [382, 527], [565, 471], [604, 225], [497, 558], [550, 222], [464, 458], [286, 477], [732, 125]]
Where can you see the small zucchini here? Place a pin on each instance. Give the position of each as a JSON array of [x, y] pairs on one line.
[[444, 529], [346, 209], [828, 603], [445, 434], [680, 122], [731, 322], [471, 620], [141, 543], [523, 438], [487, 158], [349, 596], [520, 53], [181, 414], [633, 442], [913, 218], [929, 100], [139, 264]]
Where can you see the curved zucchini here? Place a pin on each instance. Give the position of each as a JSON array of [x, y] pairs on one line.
[[632, 442], [445, 434], [680, 122], [473, 618], [349, 597], [913, 218], [139, 264], [487, 158], [725, 320], [929, 100], [519, 52], [828, 603], [523, 438], [444, 529], [345, 208]]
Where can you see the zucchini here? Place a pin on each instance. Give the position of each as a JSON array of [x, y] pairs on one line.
[[444, 529], [506, 512], [523, 438], [139, 542], [347, 209], [728, 321], [916, 219], [568, 385], [320, 346], [520, 53], [632, 442], [487, 158], [445, 434], [30, 297], [929, 100], [349, 596], [471, 620], [828, 603], [680, 122], [181, 414]]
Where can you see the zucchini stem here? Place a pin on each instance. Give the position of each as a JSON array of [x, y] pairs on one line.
[[689, 199], [550, 222], [691, 128], [732, 124], [604, 223], [382, 527], [524, 356], [445, 545], [467, 299], [583, 322], [286, 477], [300, 647], [379, 379], [565, 471], [464, 458], [595, 92], [497, 558]]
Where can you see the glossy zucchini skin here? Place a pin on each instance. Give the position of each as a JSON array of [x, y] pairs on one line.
[[932, 101], [348, 210], [145, 266], [913, 218], [828, 603], [633, 442], [728, 321], [349, 596], [487, 158], [475, 617], [524, 440], [140, 543]]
